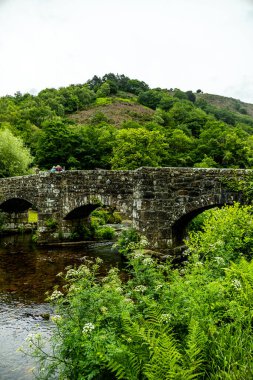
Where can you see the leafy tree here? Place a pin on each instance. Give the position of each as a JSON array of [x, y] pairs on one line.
[[195, 121], [138, 147], [225, 145], [180, 111], [94, 83], [166, 102], [150, 98], [207, 162], [113, 86], [136, 87], [54, 144], [75, 97], [9, 110], [92, 147], [104, 90], [180, 151], [180, 94], [190, 96], [15, 158], [112, 80]]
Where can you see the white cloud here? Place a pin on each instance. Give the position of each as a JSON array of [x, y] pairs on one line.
[[168, 43]]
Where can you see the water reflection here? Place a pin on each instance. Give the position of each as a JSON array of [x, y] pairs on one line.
[[27, 272]]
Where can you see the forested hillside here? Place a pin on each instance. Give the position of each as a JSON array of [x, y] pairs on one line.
[[115, 122]]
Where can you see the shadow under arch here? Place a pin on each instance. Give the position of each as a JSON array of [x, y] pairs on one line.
[[179, 229], [82, 212], [15, 205], [77, 224]]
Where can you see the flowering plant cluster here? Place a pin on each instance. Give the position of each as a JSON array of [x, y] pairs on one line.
[[189, 322]]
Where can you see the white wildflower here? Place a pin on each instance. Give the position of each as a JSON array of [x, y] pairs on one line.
[[138, 255], [219, 260], [165, 318], [148, 261], [237, 284], [128, 300], [88, 327], [85, 270], [198, 263], [71, 273], [103, 309], [140, 288], [32, 338], [55, 295], [56, 318], [143, 242]]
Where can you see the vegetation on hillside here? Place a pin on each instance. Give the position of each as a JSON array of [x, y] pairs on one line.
[[115, 122]]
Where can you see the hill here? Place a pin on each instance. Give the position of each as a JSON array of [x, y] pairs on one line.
[[230, 104], [113, 110], [115, 122]]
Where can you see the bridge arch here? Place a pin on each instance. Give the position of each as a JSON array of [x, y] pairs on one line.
[[179, 228], [78, 220], [81, 212], [191, 210], [84, 205], [15, 205], [16, 211]]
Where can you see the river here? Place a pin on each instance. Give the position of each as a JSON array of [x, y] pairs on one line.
[[27, 272]]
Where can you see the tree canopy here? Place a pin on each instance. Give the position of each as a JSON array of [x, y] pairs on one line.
[[15, 159]]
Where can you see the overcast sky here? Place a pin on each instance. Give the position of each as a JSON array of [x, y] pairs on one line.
[[187, 44]]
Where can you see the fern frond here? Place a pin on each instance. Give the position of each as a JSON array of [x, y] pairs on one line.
[[125, 365], [164, 363], [194, 353]]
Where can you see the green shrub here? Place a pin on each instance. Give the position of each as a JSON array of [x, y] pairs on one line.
[[81, 232], [51, 224], [105, 233], [197, 223], [117, 217], [226, 233], [101, 216], [128, 240], [97, 228], [103, 101]]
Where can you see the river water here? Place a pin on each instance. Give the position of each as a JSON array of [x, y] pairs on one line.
[[27, 272]]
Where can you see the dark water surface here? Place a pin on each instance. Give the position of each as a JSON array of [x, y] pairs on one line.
[[27, 272]]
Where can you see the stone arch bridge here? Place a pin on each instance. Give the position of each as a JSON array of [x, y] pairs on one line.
[[159, 201]]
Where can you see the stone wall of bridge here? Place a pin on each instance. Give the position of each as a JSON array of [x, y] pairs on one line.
[[158, 201], [166, 199]]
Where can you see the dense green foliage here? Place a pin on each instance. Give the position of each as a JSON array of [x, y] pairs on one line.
[[226, 233], [194, 322], [14, 157], [190, 131]]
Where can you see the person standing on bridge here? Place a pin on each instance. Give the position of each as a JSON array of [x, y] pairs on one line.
[[58, 169]]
